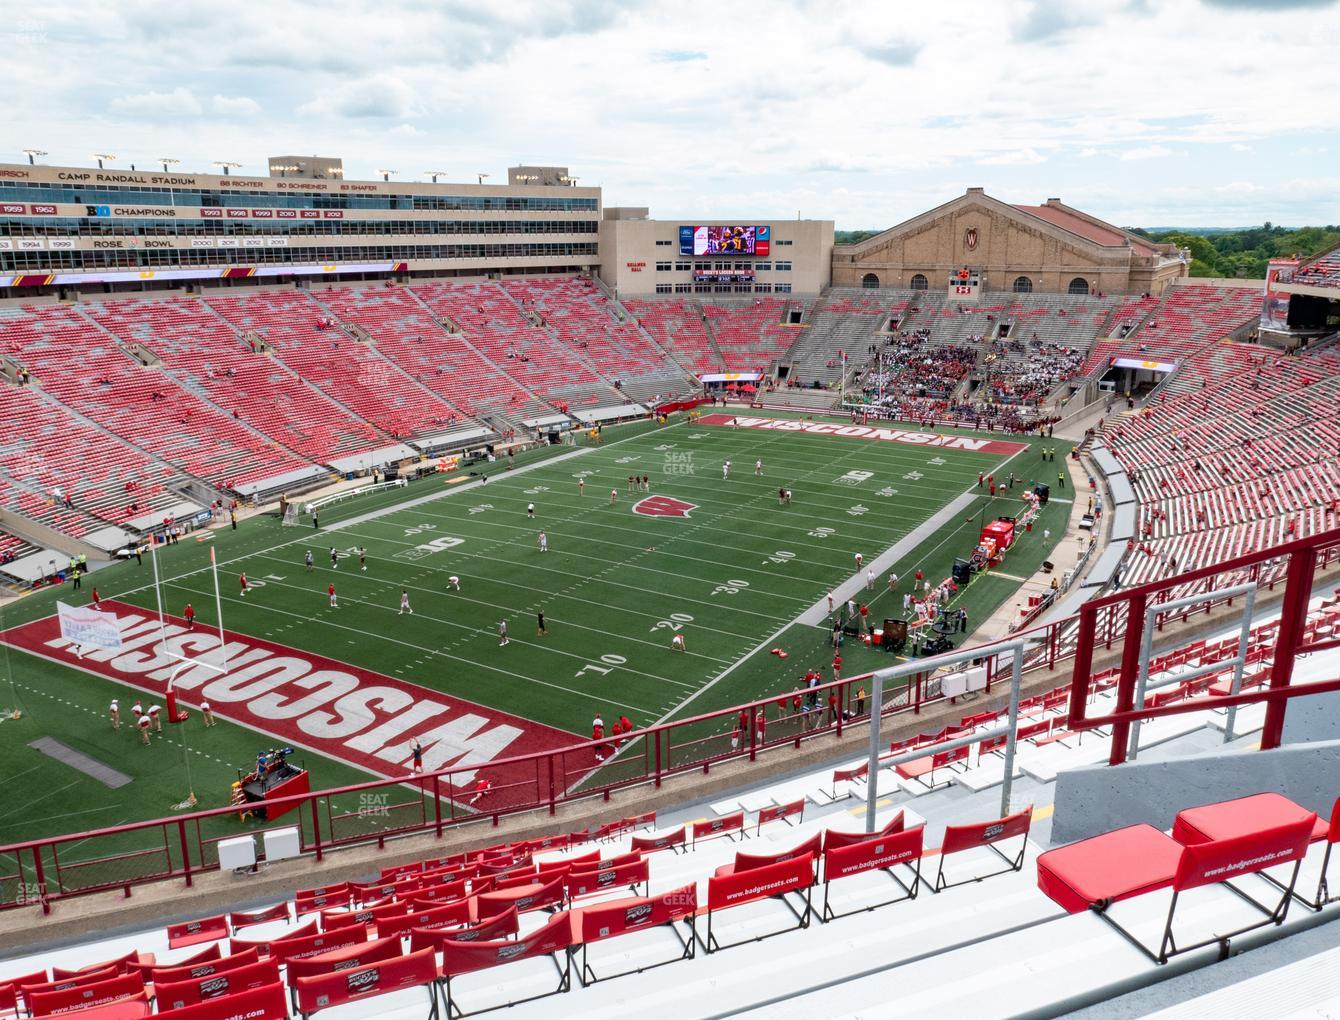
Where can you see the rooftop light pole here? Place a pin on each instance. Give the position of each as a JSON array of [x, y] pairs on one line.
[[226, 165], [481, 177], [100, 156], [386, 174], [33, 153], [168, 161], [435, 174]]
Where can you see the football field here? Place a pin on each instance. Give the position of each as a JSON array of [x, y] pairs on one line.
[[717, 560]]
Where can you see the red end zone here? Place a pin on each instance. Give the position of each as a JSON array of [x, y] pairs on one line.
[[348, 713], [996, 447]]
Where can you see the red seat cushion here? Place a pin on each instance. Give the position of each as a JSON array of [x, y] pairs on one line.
[[1241, 816], [1111, 866]]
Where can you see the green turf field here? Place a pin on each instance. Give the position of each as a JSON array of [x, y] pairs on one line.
[[732, 577]]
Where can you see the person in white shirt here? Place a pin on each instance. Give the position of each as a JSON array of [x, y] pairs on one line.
[[405, 607], [544, 542]]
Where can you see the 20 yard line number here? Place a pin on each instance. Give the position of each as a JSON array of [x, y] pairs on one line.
[[675, 623], [610, 661]]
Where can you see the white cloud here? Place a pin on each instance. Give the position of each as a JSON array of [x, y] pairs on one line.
[[903, 105], [177, 103], [1015, 157], [1146, 152], [235, 106], [381, 95]]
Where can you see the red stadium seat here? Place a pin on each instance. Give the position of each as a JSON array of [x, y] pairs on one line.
[[1098, 872]]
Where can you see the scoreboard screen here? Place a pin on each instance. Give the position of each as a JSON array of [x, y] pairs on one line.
[[725, 240]]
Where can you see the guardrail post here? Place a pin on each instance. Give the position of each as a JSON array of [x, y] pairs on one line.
[[1293, 619], [40, 875], [753, 737], [437, 804], [185, 851], [316, 829], [656, 739], [553, 806], [1130, 668]]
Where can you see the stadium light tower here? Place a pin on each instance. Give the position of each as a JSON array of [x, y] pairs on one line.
[[386, 174], [285, 169], [570, 181], [226, 165], [100, 156], [33, 153], [481, 177], [168, 161], [435, 174]]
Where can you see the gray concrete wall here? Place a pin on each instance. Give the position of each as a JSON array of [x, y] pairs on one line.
[[1308, 720], [1097, 799]]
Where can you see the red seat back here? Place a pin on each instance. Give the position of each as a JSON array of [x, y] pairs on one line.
[[965, 837], [466, 957], [321, 991], [176, 994], [834, 839], [1221, 859], [607, 921], [267, 1003]]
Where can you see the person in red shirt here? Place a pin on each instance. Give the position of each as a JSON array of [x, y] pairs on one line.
[[626, 725], [782, 703], [598, 733], [832, 707], [795, 703], [482, 787], [189, 614], [837, 667], [865, 618], [96, 600], [242, 582], [331, 592]]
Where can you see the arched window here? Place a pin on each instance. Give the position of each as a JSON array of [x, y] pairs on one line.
[[1023, 285], [1078, 285], [919, 282], [870, 281]]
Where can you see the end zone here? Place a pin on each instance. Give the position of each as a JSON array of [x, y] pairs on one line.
[[345, 712], [971, 444]]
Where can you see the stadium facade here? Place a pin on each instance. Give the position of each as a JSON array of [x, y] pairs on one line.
[[70, 229], [1052, 248]]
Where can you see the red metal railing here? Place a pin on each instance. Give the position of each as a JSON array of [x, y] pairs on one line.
[[122, 857], [1120, 617]]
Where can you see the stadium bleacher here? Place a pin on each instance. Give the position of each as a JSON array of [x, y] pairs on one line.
[[351, 372], [207, 355], [84, 369], [1241, 452]]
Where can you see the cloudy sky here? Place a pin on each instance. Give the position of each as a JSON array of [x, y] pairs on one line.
[[1146, 112]]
